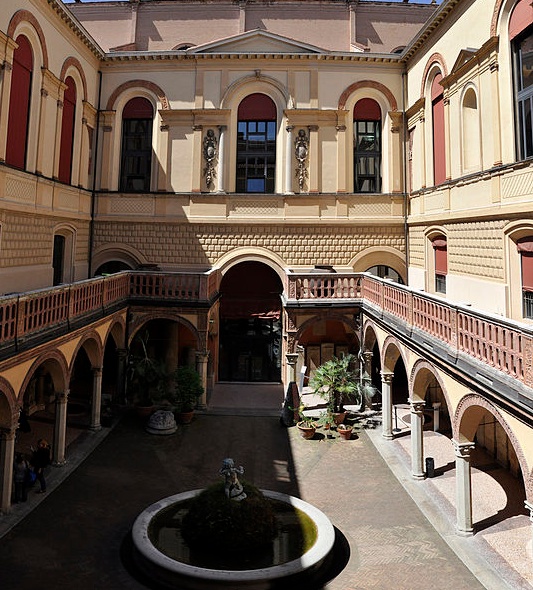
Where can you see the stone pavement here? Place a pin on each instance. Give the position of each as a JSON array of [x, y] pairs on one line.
[[77, 536]]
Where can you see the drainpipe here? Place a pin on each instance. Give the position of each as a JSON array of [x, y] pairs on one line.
[[95, 165], [405, 132]]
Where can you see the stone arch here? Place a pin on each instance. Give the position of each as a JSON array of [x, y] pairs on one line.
[[435, 61], [248, 254], [92, 344], [154, 88], [391, 351], [141, 320], [420, 373], [370, 336], [260, 83], [330, 315], [9, 414], [122, 252], [26, 16], [73, 63], [58, 365], [463, 431], [381, 88], [380, 255], [117, 331]]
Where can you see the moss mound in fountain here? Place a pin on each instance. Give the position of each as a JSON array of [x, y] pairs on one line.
[[217, 524]]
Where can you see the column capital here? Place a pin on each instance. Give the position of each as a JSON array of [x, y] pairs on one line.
[[386, 376], [529, 506], [97, 370], [7, 434], [222, 128], [417, 406], [62, 396], [202, 355], [292, 358], [463, 449]]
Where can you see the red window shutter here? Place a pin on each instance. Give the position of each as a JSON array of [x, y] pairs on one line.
[[439, 152], [19, 104], [521, 18], [527, 271], [67, 131], [367, 109], [441, 255], [257, 107]]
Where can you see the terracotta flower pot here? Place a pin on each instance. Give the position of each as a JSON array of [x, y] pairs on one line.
[[345, 433], [306, 431]]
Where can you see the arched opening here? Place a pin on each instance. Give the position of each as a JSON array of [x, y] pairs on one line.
[[325, 338], [496, 471], [256, 145], [440, 250], [367, 146], [136, 154], [471, 132], [67, 131], [111, 267], [385, 272], [19, 104], [250, 324]]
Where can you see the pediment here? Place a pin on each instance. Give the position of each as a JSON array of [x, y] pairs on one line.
[[464, 56], [257, 41]]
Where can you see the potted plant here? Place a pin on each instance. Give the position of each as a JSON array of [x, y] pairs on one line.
[[306, 424], [345, 431], [148, 378], [187, 390], [337, 381]]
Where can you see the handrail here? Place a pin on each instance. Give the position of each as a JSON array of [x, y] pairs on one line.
[[497, 342]]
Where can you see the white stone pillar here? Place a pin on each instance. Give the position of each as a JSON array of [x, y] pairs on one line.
[[7, 455], [529, 506], [96, 399], [386, 404], [221, 158], [201, 367], [288, 161], [436, 416], [417, 438], [463, 487], [60, 429]]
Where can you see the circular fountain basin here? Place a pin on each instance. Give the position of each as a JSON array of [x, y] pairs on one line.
[[174, 573]]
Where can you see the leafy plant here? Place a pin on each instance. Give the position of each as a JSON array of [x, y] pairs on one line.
[[149, 379], [305, 420], [187, 388], [337, 381]]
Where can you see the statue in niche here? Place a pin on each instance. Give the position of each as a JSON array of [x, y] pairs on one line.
[[210, 155], [232, 487], [301, 152]]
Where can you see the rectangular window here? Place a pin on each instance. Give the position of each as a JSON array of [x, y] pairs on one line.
[[136, 155], [523, 49], [367, 156], [256, 156]]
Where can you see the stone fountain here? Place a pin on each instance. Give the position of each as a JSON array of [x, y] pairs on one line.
[[301, 544]]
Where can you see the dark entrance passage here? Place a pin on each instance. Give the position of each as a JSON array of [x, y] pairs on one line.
[[250, 324]]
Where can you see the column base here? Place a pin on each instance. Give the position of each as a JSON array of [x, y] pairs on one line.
[[464, 533], [388, 436], [418, 476], [95, 427]]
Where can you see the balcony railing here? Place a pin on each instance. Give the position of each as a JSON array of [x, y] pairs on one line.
[[498, 343]]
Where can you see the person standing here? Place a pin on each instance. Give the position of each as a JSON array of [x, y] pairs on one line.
[[40, 461], [20, 475]]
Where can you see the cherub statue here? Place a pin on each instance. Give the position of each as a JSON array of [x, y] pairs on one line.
[[233, 487]]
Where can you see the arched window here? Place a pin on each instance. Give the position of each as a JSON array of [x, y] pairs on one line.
[[367, 146], [67, 131], [440, 247], [19, 104], [385, 272], [136, 155], [521, 35], [471, 132], [439, 151], [525, 249], [256, 145]]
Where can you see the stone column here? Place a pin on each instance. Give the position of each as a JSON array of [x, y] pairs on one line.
[[341, 159], [57, 143], [417, 438], [422, 148], [292, 359], [396, 185], [314, 159], [288, 161], [221, 158], [463, 487], [201, 364], [107, 123], [7, 455], [496, 114], [436, 416], [60, 429], [386, 404], [162, 160], [529, 506], [96, 398]]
